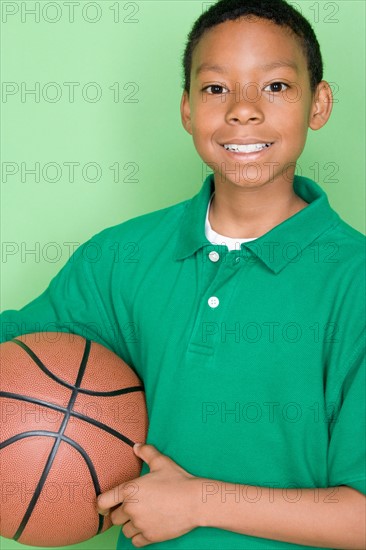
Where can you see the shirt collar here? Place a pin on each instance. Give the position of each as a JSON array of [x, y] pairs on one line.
[[292, 235]]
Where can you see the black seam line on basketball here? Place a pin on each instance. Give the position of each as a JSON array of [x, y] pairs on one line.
[[83, 453], [75, 414], [52, 455], [70, 386]]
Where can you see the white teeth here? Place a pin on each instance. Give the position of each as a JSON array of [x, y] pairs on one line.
[[250, 148]]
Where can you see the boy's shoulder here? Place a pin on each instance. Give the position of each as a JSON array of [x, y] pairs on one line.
[[345, 249], [325, 218], [346, 235], [148, 225]]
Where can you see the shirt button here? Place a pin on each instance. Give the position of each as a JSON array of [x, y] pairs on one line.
[[213, 301], [214, 256]]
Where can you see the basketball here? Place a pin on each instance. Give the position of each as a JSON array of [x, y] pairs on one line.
[[71, 411]]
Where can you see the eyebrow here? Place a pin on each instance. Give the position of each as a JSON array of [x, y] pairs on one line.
[[205, 67]]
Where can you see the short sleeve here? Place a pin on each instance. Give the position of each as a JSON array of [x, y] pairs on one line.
[[73, 302], [347, 448]]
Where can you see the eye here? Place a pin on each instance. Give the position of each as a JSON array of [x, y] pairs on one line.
[[214, 86], [276, 87]]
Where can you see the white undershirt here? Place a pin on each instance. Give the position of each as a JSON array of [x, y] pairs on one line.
[[215, 238]]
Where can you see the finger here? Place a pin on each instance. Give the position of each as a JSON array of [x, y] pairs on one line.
[[129, 530], [119, 516], [110, 498], [139, 541], [150, 455]]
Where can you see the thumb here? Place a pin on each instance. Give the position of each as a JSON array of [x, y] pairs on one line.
[[148, 453]]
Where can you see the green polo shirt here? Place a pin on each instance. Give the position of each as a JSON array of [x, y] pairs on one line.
[[252, 359]]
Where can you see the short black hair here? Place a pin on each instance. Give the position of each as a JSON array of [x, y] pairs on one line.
[[277, 11]]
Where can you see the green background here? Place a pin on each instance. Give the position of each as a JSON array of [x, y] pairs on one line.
[[136, 46]]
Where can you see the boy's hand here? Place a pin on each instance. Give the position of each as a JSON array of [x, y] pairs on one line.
[[157, 506]]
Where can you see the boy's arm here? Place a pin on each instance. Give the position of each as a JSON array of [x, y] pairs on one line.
[[325, 518], [168, 502]]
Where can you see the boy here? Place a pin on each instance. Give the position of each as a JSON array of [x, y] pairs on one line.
[[243, 313]]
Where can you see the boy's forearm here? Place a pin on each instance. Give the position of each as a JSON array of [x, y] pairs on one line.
[[325, 518]]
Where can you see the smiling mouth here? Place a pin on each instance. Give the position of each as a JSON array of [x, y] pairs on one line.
[[247, 148]]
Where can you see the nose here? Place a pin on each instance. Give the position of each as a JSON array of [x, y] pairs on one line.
[[245, 106]]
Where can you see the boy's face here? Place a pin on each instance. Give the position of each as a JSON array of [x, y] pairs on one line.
[[263, 97]]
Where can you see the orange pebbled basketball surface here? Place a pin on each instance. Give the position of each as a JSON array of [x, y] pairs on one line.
[[71, 411]]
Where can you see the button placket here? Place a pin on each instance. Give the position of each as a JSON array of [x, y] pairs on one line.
[[213, 300]]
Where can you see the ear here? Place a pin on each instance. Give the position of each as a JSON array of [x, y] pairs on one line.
[[185, 112], [322, 106]]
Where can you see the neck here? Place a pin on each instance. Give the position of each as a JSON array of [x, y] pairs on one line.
[[246, 213]]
